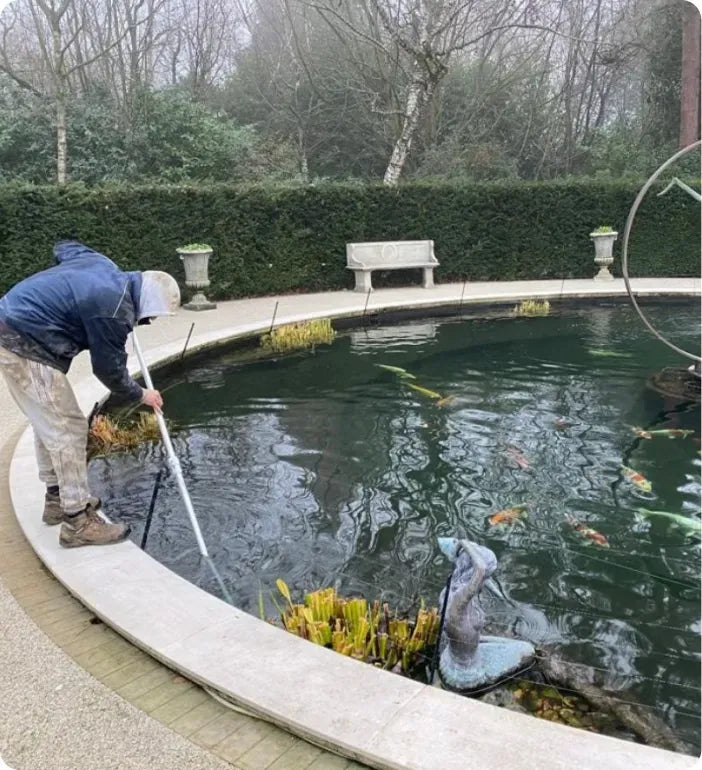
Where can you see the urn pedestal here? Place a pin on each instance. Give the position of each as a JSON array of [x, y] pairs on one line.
[[604, 245], [196, 277]]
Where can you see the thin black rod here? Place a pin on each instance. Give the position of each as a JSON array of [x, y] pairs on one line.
[[275, 313], [152, 505], [185, 347]]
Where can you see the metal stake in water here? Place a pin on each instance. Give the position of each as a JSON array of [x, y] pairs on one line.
[[177, 471]]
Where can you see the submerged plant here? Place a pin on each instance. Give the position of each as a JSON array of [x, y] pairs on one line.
[[533, 307], [298, 336], [352, 627], [107, 435]]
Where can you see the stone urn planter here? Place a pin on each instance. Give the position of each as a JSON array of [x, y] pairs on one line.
[[196, 257], [604, 238]]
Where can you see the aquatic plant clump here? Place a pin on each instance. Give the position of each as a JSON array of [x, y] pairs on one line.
[[353, 627], [107, 435], [533, 307], [298, 336]]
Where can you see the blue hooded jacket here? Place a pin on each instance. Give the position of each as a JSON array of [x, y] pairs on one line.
[[85, 302]]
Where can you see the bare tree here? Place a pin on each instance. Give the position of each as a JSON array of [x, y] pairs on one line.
[[53, 53]]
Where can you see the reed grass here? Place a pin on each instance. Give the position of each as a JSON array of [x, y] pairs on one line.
[[532, 307], [367, 632], [298, 336]]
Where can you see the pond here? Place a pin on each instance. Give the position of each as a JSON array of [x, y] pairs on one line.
[[323, 469]]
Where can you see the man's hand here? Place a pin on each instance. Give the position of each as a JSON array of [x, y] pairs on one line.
[[153, 399]]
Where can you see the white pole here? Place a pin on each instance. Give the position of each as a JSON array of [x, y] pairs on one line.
[[173, 462]]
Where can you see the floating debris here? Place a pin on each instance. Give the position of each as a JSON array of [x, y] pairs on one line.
[[107, 435], [398, 370], [637, 479], [591, 535], [690, 525], [512, 515]]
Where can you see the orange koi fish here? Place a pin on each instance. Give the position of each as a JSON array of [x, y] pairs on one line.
[[509, 516], [636, 479], [518, 457], [592, 535]]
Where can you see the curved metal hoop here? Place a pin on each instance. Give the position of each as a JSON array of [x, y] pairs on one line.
[[627, 230]]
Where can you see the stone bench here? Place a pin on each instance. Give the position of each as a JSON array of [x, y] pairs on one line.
[[363, 258]]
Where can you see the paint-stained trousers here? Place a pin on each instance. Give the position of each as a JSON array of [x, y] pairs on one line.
[[60, 428]]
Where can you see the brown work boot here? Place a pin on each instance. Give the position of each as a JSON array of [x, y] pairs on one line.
[[91, 527], [53, 513], [52, 509]]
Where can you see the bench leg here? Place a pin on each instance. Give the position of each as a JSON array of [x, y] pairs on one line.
[[363, 281], [428, 281]]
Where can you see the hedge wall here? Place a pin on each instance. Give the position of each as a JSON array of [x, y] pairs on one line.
[[278, 240]]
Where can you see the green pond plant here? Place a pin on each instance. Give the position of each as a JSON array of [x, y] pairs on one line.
[[533, 307], [360, 630], [298, 336]]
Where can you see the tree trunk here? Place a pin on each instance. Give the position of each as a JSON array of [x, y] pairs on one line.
[[61, 143], [302, 152], [690, 81], [60, 91], [419, 92]]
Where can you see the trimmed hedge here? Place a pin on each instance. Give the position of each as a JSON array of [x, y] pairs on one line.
[[287, 239]]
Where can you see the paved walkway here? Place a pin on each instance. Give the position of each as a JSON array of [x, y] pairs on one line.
[[53, 713]]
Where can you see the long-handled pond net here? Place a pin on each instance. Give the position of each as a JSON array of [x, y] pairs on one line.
[[177, 471]]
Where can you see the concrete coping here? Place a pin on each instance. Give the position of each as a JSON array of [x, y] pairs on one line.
[[378, 718]]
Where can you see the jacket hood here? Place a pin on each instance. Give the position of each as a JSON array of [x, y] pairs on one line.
[[67, 251], [159, 295]]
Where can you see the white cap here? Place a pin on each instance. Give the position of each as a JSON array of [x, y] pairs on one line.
[[160, 295]]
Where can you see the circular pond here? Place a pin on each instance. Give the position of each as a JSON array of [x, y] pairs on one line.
[[325, 469]]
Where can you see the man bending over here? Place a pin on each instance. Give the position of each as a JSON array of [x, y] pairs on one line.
[[84, 302]]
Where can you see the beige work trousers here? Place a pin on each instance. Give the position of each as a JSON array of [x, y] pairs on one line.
[[60, 428]]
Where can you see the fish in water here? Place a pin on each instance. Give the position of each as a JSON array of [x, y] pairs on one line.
[[446, 400], [425, 391], [561, 423], [690, 525], [398, 370], [518, 457], [671, 433], [509, 516], [636, 479], [591, 535], [608, 353]]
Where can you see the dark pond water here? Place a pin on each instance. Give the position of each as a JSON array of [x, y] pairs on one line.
[[323, 469]]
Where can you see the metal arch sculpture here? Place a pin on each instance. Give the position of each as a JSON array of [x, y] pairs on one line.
[[627, 231]]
